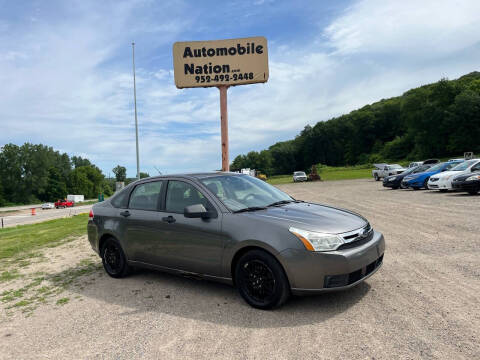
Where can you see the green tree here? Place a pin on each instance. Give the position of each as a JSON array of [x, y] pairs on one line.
[[120, 172], [144, 175]]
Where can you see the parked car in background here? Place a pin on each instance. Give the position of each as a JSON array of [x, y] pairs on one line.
[[48, 205], [299, 176], [424, 162], [383, 170], [420, 180], [64, 204], [234, 229], [467, 182], [395, 181], [443, 181]]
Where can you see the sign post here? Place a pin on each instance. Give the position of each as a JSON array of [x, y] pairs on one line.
[[221, 64], [224, 127]]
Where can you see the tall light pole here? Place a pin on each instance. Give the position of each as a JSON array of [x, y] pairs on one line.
[[135, 102]]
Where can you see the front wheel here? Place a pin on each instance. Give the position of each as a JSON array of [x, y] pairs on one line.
[[425, 183], [261, 280], [113, 259], [376, 177]]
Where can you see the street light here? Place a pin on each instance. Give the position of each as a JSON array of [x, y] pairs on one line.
[[135, 102]]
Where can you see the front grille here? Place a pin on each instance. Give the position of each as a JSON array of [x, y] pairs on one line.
[[357, 237], [333, 281]]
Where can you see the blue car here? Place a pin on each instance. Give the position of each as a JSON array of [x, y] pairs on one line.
[[420, 180]]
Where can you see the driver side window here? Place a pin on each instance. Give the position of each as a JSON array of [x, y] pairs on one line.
[[181, 194]]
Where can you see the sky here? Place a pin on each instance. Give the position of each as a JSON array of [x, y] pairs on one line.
[[66, 71]]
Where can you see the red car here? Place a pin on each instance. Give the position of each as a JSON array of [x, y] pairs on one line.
[[63, 204]]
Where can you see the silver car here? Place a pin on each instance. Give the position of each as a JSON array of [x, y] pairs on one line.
[[235, 229]]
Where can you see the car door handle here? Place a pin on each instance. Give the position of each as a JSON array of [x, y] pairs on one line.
[[169, 219], [125, 213]]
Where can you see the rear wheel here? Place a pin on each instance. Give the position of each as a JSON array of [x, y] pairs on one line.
[[261, 280], [113, 259], [376, 177]]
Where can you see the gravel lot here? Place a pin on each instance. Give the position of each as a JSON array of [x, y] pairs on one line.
[[424, 303]]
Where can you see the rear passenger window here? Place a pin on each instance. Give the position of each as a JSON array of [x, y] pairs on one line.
[[146, 196], [121, 199]]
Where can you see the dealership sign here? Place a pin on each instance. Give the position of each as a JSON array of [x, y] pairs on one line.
[[220, 62]]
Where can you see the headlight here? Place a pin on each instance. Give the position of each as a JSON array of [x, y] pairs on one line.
[[315, 241], [474, 177]]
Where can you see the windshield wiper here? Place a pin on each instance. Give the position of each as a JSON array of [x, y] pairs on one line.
[[281, 202], [251, 208]]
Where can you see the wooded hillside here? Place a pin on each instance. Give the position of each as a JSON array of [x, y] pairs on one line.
[[435, 120]]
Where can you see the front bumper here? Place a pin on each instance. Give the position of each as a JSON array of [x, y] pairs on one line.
[[412, 184], [313, 272], [466, 185], [391, 183], [300, 179]]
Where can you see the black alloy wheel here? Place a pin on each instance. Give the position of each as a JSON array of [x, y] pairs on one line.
[[261, 280], [113, 259]]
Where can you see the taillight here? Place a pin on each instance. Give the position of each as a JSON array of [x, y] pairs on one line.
[[90, 215]]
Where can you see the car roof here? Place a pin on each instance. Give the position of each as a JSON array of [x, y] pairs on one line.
[[198, 175]]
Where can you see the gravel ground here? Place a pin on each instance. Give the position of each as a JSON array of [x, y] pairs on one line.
[[422, 304]]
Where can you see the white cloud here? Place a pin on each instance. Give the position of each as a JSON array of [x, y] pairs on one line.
[[69, 83]]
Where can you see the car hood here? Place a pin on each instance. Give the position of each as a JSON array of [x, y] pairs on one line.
[[313, 217], [449, 173]]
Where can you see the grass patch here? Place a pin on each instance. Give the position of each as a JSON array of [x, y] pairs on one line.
[[330, 173], [9, 275], [22, 240], [63, 301]]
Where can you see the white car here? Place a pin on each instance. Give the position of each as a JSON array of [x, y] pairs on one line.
[[443, 181], [299, 176], [48, 206]]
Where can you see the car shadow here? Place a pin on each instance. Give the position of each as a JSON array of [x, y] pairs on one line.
[[157, 292]]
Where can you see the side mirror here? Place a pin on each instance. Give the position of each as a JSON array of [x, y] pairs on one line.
[[196, 211]]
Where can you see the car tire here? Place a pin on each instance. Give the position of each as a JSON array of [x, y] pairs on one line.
[[261, 281], [473, 192], [376, 177], [113, 259], [415, 188], [443, 190], [425, 183]]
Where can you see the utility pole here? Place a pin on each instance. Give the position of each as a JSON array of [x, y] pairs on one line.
[[135, 102]]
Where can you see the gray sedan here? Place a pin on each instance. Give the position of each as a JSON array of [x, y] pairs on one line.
[[235, 229]]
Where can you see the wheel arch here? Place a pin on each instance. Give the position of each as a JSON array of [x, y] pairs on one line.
[[102, 240], [243, 250]]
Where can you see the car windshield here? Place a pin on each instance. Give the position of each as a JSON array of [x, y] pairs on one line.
[[244, 192], [464, 165], [437, 167], [299, 173], [421, 168]]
